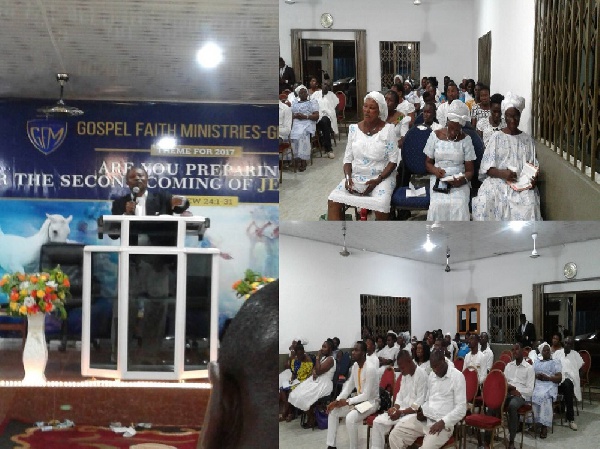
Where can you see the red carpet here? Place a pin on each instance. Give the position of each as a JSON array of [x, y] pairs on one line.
[[93, 437]]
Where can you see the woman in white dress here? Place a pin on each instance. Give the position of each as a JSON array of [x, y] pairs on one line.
[[450, 152], [505, 156], [369, 163], [320, 384], [494, 122], [305, 113]]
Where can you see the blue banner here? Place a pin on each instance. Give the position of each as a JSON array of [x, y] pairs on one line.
[[217, 154]]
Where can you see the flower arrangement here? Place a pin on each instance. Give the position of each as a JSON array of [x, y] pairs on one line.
[[44, 292], [250, 283]]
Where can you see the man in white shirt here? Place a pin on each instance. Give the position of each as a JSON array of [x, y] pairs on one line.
[[388, 354], [570, 386], [364, 379], [444, 407], [327, 123], [371, 356], [485, 349], [476, 359], [413, 390], [521, 379], [452, 346]]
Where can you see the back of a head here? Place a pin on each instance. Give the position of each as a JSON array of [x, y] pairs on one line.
[[248, 373]]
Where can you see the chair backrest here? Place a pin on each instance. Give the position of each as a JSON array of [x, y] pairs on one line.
[[587, 362], [499, 365], [412, 150], [508, 352], [526, 352], [506, 358], [387, 380], [479, 150], [459, 363], [344, 364], [342, 102], [494, 390], [472, 383], [397, 386], [70, 258]]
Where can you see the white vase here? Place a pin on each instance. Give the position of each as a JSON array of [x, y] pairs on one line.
[[35, 353]]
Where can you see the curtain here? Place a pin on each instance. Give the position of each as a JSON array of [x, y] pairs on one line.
[[485, 58], [360, 37], [297, 53]]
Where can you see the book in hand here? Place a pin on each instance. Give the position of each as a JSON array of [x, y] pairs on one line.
[[363, 406], [523, 182], [455, 177]]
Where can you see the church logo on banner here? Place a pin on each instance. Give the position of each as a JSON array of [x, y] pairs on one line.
[[46, 135]]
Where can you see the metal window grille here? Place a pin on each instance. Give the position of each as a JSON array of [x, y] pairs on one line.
[[566, 81], [382, 313], [399, 58], [503, 318]]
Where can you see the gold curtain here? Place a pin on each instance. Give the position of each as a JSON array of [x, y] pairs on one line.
[[484, 65], [296, 35]]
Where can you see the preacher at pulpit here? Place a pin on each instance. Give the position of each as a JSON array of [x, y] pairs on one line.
[[142, 202]]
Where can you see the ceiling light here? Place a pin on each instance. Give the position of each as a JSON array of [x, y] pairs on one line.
[[290, 2], [210, 56], [60, 109], [417, 2], [517, 225], [428, 245]]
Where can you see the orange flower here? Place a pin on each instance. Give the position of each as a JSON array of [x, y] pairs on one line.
[[48, 307], [49, 289], [14, 296], [20, 277], [3, 281], [236, 284], [66, 282], [33, 278]]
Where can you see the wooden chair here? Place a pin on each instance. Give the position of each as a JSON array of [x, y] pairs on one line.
[[493, 393], [284, 147], [341, 110], [584, 374], [524, 411]]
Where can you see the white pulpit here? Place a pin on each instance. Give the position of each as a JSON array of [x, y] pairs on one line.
[[161, 298]]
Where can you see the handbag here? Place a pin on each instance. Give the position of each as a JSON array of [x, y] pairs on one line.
[[437, 188], [321, 418]]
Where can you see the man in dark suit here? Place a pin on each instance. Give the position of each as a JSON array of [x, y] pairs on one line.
[[287, 78], [141, 202], [525, 332]]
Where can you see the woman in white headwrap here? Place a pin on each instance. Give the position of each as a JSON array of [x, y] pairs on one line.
[[548, 374], [450, 155], [506, 153], [305, 113], [369, 163]]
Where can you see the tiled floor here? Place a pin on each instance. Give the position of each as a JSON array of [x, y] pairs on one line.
[[292, 436]]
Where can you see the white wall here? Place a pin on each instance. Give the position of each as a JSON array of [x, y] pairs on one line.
[[320, 290], [512, 23], [444, 28]]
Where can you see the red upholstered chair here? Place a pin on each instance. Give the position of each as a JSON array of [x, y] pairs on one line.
[[584, 374], [499, 365], [371, 418], [341, 110], [472, 385], [506, 358], [524, 411], [494, 393], [459, 363]]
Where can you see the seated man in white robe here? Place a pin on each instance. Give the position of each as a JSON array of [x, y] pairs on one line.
[[327, 124], [570, 385], [413, 389]]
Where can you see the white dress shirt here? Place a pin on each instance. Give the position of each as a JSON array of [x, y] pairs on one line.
[[413, 389], [373, 360], [327, 105], [522, 377], [366, 383], [477, 361], [389, 353], [446, 397], [489, 358], [571, 364]]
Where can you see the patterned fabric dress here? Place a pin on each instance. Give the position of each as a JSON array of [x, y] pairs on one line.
[[450, 156], [545, 391], [369, 155], [311, 390], [303, 129], [487, 129], [302, 370], [496, 200]]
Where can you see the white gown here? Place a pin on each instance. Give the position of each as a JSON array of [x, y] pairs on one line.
[[311, 390]]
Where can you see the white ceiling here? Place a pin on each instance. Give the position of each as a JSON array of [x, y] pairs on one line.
[[138, 49], [467, 241]]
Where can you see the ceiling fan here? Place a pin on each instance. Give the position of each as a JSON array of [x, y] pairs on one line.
[[60, 109], [447, 269], [344, 252], [534, 254]]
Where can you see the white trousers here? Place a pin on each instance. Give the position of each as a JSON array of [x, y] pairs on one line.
[[409, 429], [381, 426], [353, 421]]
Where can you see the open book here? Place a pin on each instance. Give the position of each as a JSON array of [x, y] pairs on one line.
[[363, 406], [523, 182], [455, 177]]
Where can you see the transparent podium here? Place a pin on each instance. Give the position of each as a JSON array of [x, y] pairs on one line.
[[150, 304]]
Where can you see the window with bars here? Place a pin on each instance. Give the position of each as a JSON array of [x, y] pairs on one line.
[[382, 313], [503, 318], [566, 81], [399, 58]]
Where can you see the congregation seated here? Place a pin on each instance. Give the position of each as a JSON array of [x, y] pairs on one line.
[[318, 385], [298, 368]]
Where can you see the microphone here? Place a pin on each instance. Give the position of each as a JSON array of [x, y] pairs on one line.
[[134, 191]]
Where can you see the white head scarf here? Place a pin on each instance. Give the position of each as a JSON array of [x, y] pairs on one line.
[[512, 101], [301, 86], [398, 76], [458, 112], [380, 99], [541, 346], [393, 333]]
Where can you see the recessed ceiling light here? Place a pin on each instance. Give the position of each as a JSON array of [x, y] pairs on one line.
[[428, 245], [517, 225], [210, 55]]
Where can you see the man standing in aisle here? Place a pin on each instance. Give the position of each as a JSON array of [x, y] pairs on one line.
[[570, 386]]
